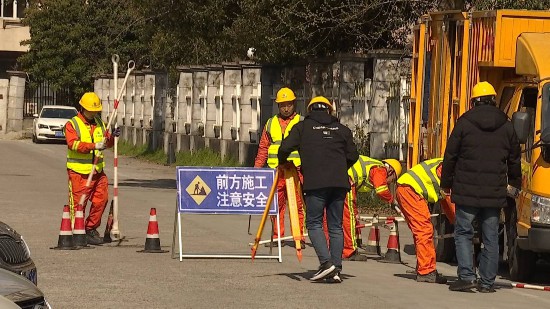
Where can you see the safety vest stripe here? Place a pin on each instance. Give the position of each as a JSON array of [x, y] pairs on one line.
[[292, 155], [84, 161], [75, 145], [381, 189], [427, 169], [76, 127], [268, 129], [351, 220], [419, 182]]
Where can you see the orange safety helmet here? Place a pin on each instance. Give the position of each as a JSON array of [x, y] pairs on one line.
[[285, 95], [319, 100], [91, 102]]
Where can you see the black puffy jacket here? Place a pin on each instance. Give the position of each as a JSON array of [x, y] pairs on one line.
[[326, 150], [481, 158]]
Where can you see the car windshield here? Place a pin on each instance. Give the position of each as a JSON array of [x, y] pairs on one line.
[[58, 113]]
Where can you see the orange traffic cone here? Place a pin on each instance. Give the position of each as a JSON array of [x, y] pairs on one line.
[[79, 232], [373, 243], [109, 226], [392, 255], [152, 242], [65, 241]]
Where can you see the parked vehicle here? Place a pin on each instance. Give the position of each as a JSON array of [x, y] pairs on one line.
[[49, 124], [20, 291], [15, 255], [454, 50]]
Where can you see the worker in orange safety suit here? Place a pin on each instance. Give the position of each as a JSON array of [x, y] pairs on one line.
[[86, 137], [415, 189], [276, 129], [366, 174]]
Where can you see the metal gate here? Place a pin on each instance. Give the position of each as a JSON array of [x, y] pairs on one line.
[[39, 94]]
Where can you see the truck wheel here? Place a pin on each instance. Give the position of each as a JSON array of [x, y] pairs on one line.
[[521, 263], [444, 247]]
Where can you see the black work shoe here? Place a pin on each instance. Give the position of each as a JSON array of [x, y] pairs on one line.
[[433, 277], [356, 256], [482, 289], [336, 278], [462, 285], [324, 271], [93, 238]]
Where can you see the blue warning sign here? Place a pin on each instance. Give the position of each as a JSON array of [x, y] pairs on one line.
[[220, 190]]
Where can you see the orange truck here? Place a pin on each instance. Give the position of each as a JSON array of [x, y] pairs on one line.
[[454, 50]]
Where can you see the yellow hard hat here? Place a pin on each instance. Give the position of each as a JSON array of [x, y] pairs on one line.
[[483, 89], [91, 102], [321, 100], [285, 95], [396, 165]]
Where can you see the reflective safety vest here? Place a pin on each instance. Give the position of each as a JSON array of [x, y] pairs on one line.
[[82, 163], [423, 179], [360, 171], [273, 129]]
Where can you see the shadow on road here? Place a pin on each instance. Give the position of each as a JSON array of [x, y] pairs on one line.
[[152, 183], [306, 275]]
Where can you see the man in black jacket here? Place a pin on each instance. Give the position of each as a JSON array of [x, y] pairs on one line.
[[482, 158], [327, 151]]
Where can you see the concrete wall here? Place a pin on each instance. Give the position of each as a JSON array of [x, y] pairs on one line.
[[12, 35]]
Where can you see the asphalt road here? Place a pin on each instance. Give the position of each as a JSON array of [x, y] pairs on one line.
[[33, 186]]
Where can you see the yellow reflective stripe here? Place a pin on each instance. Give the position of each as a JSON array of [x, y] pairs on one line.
[[76, 127], [84, 161], [381, 188], [351, 220], [75, 145]]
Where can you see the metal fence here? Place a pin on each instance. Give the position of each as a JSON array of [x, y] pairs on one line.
[[39, 94]]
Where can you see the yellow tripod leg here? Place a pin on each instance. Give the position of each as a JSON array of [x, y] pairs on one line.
[[265, 214], [291, 177]]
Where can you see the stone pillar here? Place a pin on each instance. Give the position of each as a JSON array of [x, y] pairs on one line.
[[232, 83], [129, 104], [294, 77], [198, 121], [250, 102], [16, 99], [138, 108], [154, 113], [4, 89], [352, 73], [214, 101], [105, 96], [385, 73], [321, 78], [271, 80], [185, 92]]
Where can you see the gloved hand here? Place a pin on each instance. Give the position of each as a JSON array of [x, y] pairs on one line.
[[100, 146], [116, 132], [512, 191]]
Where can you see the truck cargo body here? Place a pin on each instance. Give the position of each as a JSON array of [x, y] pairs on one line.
[[452, 51]]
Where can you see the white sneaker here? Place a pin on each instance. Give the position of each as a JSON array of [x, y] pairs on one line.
[[334, 279]]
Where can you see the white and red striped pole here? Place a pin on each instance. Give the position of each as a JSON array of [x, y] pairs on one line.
[[115, 232], [530, 286]]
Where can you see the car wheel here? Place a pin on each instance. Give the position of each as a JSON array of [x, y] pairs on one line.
[[521, 262], [444, 247], [34, 139]]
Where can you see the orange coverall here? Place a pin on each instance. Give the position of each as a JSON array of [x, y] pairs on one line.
[[417, 214], [378, 178], [98, 192], [260, 161]]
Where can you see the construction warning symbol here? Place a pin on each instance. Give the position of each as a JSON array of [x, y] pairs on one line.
[[198, 190]]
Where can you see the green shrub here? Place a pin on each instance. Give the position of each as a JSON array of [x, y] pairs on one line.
[[203, 157]]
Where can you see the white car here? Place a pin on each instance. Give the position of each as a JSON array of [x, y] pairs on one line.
[[49, 124]]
